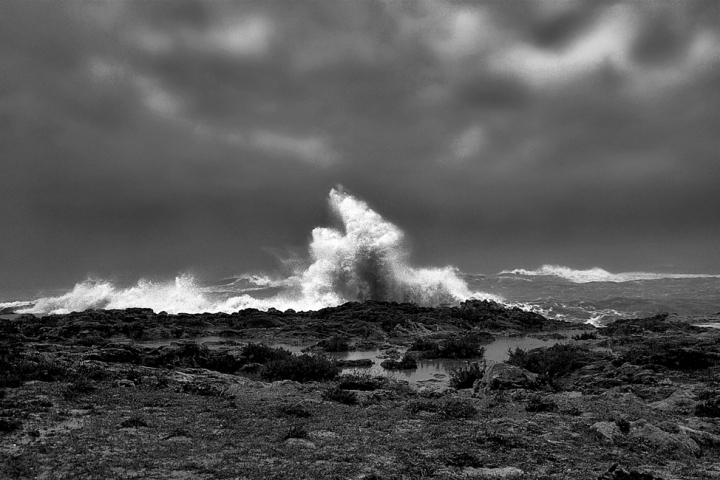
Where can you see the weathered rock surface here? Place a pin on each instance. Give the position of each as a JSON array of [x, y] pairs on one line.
[[666, 443], [607, 431], [502, 376], [76, 396]]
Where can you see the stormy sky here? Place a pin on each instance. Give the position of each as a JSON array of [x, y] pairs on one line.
[[148, 138]]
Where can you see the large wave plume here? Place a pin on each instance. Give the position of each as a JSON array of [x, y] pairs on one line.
[[366, 259]]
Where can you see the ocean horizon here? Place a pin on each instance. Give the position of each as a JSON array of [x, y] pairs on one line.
[[593, 296]]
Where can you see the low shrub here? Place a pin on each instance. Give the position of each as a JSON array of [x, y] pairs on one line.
[[81, 385], [340, 396], [17, 368], [261, 353], [463, 347], [454, 408], [465, 376], [550, 363], [296, 431], [194, 355], [295, 410], [623, 424], [585, 336], [301, 368], [709, 405], [538, 404]]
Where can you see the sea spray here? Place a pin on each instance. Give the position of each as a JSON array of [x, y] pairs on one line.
[[364, 260], [598, 274]]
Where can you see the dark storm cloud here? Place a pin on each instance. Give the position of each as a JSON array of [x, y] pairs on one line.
[[144, 138]]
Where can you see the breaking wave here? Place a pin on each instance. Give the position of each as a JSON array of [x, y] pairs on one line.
[[598, 274], [365, 260]]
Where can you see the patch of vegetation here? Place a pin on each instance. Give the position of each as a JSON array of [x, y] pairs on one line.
[[20, 466], [341, 396], [194, 355], [585, 336], [448, 408], [623, 424], [538, 404], [463, 459], [261, 353], [81, 385], [295, 410], [550, 363], [301, 368], [17, 368], [407, 362], [465, 376], [9, 424], [202, 389], [709, 405], [670, 354], [134, 422], [359, 381], [458, 347], [296, 431]]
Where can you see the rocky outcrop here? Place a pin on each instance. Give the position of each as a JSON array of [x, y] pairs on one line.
[[668, 443], [661, 323], [503, 376], [606, 431]]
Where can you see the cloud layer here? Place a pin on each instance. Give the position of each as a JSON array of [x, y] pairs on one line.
[[146, 138]]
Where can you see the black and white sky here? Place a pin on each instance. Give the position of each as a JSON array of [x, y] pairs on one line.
[[147, 138]]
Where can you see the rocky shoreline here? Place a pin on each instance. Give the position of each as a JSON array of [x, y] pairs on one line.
[[87, 395]]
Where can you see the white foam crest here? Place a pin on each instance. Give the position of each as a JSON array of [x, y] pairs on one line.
[[599, 275], [181, 295], [13, 304], [365, 260]]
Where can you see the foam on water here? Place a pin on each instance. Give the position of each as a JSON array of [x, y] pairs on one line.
[[365, 260], [598, 274]]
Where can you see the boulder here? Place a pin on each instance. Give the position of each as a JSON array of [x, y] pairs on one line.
[[503, 376], [679, 401], [606, 431], [706, 439], [663, 441], [629, 373]]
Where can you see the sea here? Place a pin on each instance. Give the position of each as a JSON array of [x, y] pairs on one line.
[[366, 259]]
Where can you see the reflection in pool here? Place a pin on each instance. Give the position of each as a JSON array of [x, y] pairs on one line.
[[438, 370], [428, 371]]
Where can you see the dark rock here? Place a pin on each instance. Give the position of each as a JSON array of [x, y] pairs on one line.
[[657, 324], [116, 353]]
